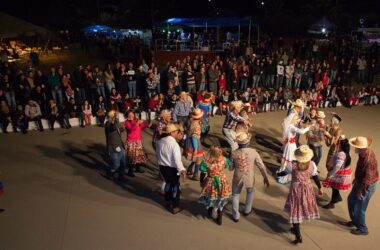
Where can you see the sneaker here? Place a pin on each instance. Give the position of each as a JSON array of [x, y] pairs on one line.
[[358, 232]]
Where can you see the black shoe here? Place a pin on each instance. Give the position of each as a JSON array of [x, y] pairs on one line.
[[297, 240], [139, 170], [234, 220], [246, 214], [346, 223], [329, 206], [131, 174], [358, 232], [339, 199], [209, 211], [122, 180], [219, 220]]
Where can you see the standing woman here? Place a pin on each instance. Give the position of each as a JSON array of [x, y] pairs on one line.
[[301, 203], [216, 192], [339, 177], [193, 147], [205, 106], [331, 139], [135, 150]]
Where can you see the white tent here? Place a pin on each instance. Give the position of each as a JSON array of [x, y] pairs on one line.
[[11, 26]]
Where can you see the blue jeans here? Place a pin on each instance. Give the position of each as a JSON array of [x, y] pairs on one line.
[[81, 95], [270, 81], [317, 154], [255, 81], [110, 85], [132, 89], [235, 201], [357, 208], [11, 99], [101, 91], [56, 93], [118, 162], [243, 83]]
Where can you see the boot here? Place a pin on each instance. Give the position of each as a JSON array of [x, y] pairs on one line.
[[138, 169], [297, 231], [130, 171], [219, 220], [209, 211], [329, 206]]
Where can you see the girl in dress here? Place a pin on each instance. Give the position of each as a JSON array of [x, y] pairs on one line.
[[339, 177], [216, 191], [87, 113], [301, 203]]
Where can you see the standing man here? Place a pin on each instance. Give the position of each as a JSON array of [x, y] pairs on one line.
[[243, 163], [232, 119], [131, 77], [115, 147], [160, 129], [182, 110], [171, 167], [366, 176]]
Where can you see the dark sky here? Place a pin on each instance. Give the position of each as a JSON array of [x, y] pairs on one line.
[[56, 13]]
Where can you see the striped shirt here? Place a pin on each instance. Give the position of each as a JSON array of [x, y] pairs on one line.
[[232, 120]]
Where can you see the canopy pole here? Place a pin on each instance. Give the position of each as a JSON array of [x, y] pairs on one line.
[[239, 35], [249, 32], [206, 27], [258, 33]]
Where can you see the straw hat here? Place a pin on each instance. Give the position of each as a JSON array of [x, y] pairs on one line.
[[360, 142], [243, 138], [321, 114], [183, 93], [303, 154], [336, 116], [299, 103], [112, 113], [197, 113], [236, 104], [171, 127]]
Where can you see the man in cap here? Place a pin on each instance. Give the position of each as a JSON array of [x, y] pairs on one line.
[[169, 159], [244, 160], [115, 146], [366, 177]]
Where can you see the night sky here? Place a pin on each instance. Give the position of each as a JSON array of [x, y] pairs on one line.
[[138, 13]]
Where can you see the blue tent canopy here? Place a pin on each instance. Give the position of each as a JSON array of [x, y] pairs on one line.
[[208, 22], [96, 28]]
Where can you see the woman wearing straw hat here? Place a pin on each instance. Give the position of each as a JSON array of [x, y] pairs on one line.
[[193, 147], [290, 138], [243, 162], [366, 177], [331, 139], [205, 106], [216, 191], [339, 177], [301, 203]]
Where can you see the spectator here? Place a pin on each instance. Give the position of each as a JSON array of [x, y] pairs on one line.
[[33, 113]]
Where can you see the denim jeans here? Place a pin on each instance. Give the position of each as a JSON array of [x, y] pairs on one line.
[[110, 85], [213, 87], [56, 93], [317, 154], [357, 208], [11, 99], [270, 81], [235, 201], [102, 92], [279, 80], [132, 89], [243, 83], [229, 134], [202, 86], [81, 95], [256, 80], [118, 162]]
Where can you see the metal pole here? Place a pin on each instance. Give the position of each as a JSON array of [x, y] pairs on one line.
[[258, 33], [239, 36]]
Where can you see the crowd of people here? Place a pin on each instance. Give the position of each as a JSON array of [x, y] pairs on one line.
[[185, 94]]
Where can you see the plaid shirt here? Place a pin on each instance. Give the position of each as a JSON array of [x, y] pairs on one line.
[[366, 172], [232, 120], [160, 129]]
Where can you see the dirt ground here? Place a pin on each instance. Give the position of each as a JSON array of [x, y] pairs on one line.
[[55, 197]]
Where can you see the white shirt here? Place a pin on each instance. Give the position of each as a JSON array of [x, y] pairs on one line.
[[169, 153]]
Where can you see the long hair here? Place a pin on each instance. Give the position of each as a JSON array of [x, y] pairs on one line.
[[345, 147], [303, 166]]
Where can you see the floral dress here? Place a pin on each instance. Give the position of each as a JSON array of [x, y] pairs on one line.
[[216, 192], [206, 108], [135, 150], [301, 203]]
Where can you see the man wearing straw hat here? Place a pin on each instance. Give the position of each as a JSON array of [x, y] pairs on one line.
[[182, 110], [232, 119], [243, 163], [366, 177], [171, 167]]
